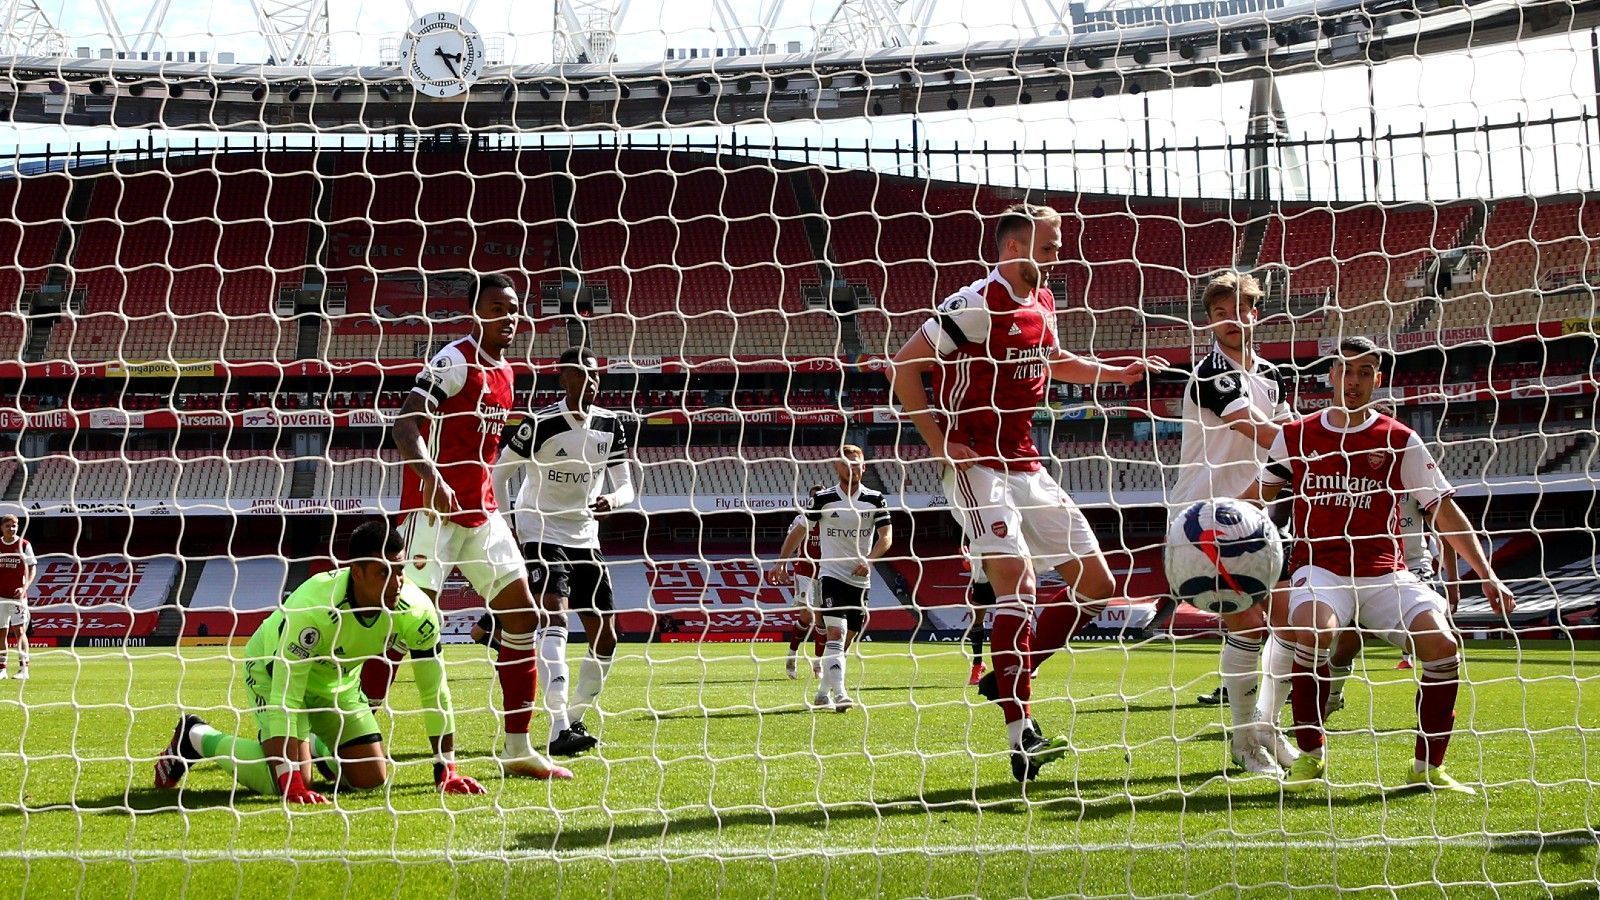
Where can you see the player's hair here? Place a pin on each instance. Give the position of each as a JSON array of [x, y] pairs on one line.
[[493, 281], [852, 450], [573, 356], [1022, 217], [1355, 347], [373, 540], [10, 517], [1229, 285]]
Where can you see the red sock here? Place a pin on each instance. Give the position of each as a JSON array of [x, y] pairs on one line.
[[797, 634], [377, 674], [1308, 696], [819, 637], [1010, 644], [1058, 623], [1436, 708], [518, 679]]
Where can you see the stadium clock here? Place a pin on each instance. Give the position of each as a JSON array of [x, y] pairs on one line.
[[442, 54]]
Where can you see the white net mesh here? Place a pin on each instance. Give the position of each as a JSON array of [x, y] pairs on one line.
[[206, 343]]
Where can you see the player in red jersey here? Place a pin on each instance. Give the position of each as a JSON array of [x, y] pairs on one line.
[[449, 435], [993, 350], [17, 569], [1348, 466], [801, 544]]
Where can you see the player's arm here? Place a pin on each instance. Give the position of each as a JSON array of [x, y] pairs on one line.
[[884, 536], [287, 723], [782, 571], [1222, 394], [30, 570], [1075, 369], [961, 319], [1274, 475], [414, 452], [915, 359], [442, 378], [619, 472], [1462, 538], [438, 711], [1449, 567], [1420, 475]]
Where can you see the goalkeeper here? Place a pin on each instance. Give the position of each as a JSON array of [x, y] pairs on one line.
[[302, 674]]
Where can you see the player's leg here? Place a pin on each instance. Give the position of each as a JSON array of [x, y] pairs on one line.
[[844, 605], [195, 741], [1320, 604], [348, 725], [10, 640], [981, 601], [1402, 601], [378, 674], [491, 561], [985, 503], [1249, 744], [801, 628], [1340, 666], [1060, 537], [550, 569], [592, 598], [601, 630], [22, 641], [1277, 658]]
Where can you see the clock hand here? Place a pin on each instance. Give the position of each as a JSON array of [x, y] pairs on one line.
[[449, 60]]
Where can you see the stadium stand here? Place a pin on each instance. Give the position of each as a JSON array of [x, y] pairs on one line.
[[1359, 253], [113, 475], [725, 247], [184, 262], [234, 595]]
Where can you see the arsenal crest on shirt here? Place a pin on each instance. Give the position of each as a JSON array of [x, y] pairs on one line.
[[1376, 459]]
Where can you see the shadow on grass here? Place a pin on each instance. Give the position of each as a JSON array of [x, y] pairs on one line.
[[1106, 798], [737, 713]]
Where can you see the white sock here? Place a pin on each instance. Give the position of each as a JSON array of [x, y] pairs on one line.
[[1240, 663], [1278, 661], [1339, 675], [552, 662], [1014, 731], [197, 733], [22, 652], [833, 666], [518, 746], [591, 678]]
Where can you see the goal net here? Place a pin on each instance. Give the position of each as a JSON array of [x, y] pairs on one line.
[[221, 281]]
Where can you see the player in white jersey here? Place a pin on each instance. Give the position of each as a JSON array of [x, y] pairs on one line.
[[18, 566], [566, 453], [1232, 410], [856, 532]]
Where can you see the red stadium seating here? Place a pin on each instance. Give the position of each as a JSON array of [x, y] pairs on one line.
[[1360, 253], [32, 212]]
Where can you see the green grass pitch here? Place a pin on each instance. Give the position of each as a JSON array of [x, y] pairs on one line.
[[714, 779]]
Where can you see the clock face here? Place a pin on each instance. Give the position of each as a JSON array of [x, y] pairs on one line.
[[442, 54]]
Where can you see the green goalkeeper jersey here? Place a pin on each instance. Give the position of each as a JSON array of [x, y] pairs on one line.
[[308, 654]]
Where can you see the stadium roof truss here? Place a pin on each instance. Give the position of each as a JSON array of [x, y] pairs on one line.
[[773, 88]]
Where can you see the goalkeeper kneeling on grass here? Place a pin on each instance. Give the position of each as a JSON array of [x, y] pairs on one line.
[[302, 673]]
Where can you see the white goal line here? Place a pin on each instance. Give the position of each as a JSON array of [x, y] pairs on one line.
[[725, 852]]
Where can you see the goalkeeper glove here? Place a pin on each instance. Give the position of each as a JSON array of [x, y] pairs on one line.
[[449, 781], [294, 790]]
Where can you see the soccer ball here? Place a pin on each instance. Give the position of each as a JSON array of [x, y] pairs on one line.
[[1223, 556]]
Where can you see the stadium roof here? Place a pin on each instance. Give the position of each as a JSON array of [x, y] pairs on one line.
[[774, 88]]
